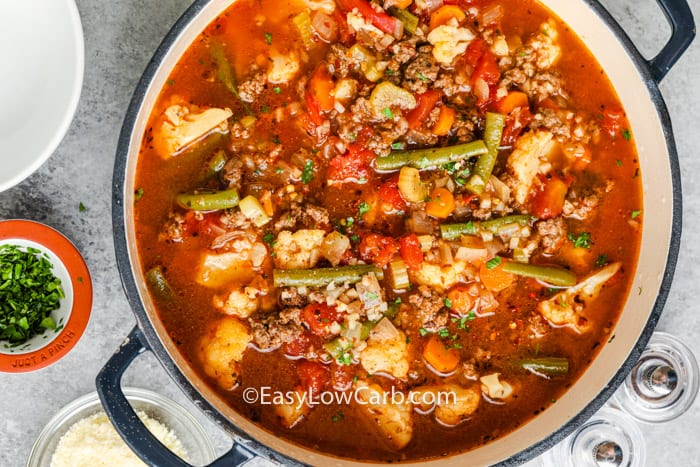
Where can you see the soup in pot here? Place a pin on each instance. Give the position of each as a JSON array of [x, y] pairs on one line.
[[410, 226]]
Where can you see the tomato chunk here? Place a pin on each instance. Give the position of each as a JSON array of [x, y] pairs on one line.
[[390, 199], [424, 104], [548, 202], [319, 317], [410, 251], [314, 376], [354, 165], [378, 249]]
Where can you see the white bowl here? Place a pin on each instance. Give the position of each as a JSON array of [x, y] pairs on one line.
[[42, 50]]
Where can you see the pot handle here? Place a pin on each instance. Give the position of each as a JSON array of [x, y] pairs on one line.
[[129, 425], [680, 18]]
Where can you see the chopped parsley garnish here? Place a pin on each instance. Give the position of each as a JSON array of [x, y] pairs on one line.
[[278, 170], [626, 134], [386, 111], [582, 240], [308, 173], [448, 303], [450, 167], [81, 207], [471, 316], [389, 72], [635, 214], [269, 238], [618, 163], [397, 301], [338, 417], [493, 262], [355, 238], [363, 208], [423, 78], [138, 194], [276, 139], [397, 146], [371, 296], [265, 109], [29, 292], [171, 82], [601, 260], [444, 332], [268, 38], [277, 90], [423, 331]]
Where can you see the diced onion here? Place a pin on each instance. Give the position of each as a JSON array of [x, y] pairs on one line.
[[492, 14], [494, 388], [253, 210], [324, 25], [420, 223], [426, 242], [334, 247], [481, 89]]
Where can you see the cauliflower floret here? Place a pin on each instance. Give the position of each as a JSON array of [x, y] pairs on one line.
[[494, 388], [448, 42], [243, 301], [326, 6], [366, 29], [282, 67], [221, 349], [183, 126], [440, 278], [394, 419], [217, 270], [386, 351], [293, 408], [530, 152], [547, 51], [452, 403], [566, 308], [298, 250]]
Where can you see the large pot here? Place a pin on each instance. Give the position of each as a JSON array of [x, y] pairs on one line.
[[636, 81]]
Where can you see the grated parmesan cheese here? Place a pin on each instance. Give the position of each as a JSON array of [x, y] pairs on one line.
[[93, 442]]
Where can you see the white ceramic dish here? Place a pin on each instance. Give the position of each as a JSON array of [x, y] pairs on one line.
[[42, 50]]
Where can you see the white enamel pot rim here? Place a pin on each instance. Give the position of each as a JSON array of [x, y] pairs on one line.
[[636, 81]]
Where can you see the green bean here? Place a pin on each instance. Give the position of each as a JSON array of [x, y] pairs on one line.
[[484, 165], [208, 201], [216, 163], [323, 276], [494, 225], [224, 73], [454, 231], [159, 285], [410, 21], [548, 366], [549, 274], [429, 157]]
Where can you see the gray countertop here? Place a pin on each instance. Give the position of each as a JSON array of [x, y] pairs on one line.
[[120, 37]]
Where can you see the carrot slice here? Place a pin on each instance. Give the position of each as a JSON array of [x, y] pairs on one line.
[[495, 278], [444, 121], [439, 356], [445, 13], [441, 203], [512, 101]]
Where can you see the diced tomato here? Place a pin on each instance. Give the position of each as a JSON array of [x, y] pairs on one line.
[[516, 122], [343, 29], [378, 249], [480, 57], [410, 251], [354, 165], [425, 103], [548, 201], [390, 200], [613, 119], [313, 376], [302, 344], [319, 316], [206, 224], [475, 50], [378, 18]]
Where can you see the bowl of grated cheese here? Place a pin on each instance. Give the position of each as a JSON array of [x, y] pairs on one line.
[[81, 434]]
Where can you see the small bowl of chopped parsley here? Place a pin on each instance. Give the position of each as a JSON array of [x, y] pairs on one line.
[[45, 295]]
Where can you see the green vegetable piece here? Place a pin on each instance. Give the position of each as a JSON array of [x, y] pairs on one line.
[[323, 276], [455, 231], [159, 285], [308, 173], [224, 73], [429, 157], [545, 366], [494, 225], [549, 274], [409, 20], [29, 293], [486, 162], [208, 201]]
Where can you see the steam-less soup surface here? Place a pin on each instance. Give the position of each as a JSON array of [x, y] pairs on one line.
[[431, 208]]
